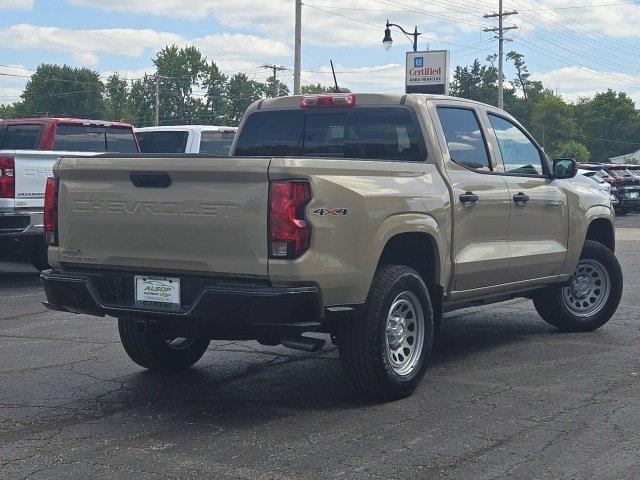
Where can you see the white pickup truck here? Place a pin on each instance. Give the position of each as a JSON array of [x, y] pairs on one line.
[[28, 150], [209, 139]]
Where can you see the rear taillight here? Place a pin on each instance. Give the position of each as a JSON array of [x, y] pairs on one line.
[[7, 177], [289, 232], [51, 211], [328, 100]]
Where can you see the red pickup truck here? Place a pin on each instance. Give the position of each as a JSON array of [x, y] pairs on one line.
[[28, 149]]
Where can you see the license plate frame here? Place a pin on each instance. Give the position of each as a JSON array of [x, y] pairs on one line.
[[157, 292]]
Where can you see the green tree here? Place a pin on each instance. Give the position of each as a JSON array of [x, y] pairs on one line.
[[570, 149], [241, 93], [612, 122], [10, 110], [141, 103], [275, 85], [478, 82], [315, 89], [64, 91], [116, 99], [552, 121], [180, 70], [214, 83]]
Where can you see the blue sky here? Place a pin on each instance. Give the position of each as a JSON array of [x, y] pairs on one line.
[[576, 47]]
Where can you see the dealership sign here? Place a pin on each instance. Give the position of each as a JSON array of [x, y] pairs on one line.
[[427, 72]]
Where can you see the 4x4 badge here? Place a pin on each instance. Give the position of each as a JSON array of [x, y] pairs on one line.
[[330, 211]]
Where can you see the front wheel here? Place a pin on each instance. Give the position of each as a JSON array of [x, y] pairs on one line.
[[386, 348], [592, 296], [155, 351]]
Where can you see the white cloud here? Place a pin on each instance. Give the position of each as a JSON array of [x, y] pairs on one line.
[[16, 4], [275, 18], [615, 21], [85, 46], [13, 78], [381, 78], [575, 82]]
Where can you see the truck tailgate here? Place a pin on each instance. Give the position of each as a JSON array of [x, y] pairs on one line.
[[211, 218], [32, 167]]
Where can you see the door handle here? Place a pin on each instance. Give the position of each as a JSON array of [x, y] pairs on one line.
[[150, 179], [468, 198], [520, 198]]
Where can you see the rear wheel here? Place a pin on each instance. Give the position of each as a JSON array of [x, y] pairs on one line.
[[592, 295], [385, 349], [155, 351]]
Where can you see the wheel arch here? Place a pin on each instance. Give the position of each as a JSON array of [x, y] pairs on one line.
[[601, 230], [421, 250]]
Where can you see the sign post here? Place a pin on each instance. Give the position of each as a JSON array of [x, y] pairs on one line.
[[427, 72]]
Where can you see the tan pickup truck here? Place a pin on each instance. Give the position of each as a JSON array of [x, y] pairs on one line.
[[362, 216]]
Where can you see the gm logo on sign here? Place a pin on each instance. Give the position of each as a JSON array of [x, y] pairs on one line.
[[418, 62]]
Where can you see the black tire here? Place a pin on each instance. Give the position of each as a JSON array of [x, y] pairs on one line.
[[151, 349], [38, 256], [553, 309], [363, 339]]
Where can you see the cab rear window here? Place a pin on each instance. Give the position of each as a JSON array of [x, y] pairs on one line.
[[87, 138], [367, 133], [163, 141], [20, 137]]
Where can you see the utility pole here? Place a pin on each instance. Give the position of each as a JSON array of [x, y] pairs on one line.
[[275, 69], [298, 49], [501, 39], [157, 99]]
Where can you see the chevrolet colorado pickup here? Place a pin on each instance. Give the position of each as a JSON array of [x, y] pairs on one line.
[[28, 149], [362, 216]]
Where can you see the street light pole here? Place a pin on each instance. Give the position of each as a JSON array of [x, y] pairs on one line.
[[297, 65], [388, 41]]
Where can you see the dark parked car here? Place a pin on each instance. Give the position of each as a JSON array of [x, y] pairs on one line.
[[626, 184]]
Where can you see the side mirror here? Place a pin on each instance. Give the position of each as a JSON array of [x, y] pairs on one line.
[[564, 168]]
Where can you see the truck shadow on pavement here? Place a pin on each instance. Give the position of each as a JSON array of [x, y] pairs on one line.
[[13, 280], [275, 382]]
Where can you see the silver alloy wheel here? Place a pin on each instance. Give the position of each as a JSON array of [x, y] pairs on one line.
[[588, 290], [179, 343], [404, 333]]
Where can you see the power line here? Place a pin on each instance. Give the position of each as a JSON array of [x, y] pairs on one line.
[[275, 69]]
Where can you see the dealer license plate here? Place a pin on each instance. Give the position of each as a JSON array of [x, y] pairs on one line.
[[159, 292]]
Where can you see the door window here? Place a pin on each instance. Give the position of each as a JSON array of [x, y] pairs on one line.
[[519, 154], [464, 138]]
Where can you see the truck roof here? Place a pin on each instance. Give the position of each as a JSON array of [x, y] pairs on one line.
[[63, 120], [187, 128], [366, 99]]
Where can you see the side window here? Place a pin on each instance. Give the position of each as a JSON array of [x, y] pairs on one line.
[[519, 154], [216, 143], [464, 138]]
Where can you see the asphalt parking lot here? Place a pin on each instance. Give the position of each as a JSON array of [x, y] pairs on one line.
[[506, 396]]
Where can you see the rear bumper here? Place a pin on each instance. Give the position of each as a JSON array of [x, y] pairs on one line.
[[17, 223], [220, 308]]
